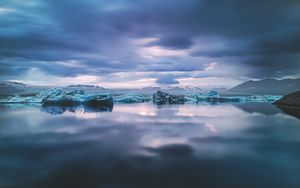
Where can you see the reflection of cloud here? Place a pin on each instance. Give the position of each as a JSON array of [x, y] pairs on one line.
[[80, 111], [138, 109], [158, 141], [156, 51], [4, 10], [258, 108], [211, 66], [211, 127], [147, 151], [173, 150], [208, 111]]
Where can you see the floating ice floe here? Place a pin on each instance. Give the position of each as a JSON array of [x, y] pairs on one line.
[[213, 93], [263, 98], [57, 96], [161, 97], [131, 98], [213, 96], [19, 99], [60, 97]]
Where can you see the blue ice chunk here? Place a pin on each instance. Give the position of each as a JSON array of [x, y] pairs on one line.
[[130, 98]]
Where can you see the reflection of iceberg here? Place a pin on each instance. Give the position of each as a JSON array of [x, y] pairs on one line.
[[88, 109], [259, 108], [291, 111], [57, 96], [57, 110]]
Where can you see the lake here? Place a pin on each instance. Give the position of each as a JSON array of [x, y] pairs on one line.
[[146, 145]]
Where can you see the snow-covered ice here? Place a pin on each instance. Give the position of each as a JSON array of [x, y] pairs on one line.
[[58, 96], [131, 98], [263, 98], [213, 96], [161, 97]]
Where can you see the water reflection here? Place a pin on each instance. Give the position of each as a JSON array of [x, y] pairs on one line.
[[190, 110], [57, 110], [141, 145], [145, 109], [291, 111], [260, 108]]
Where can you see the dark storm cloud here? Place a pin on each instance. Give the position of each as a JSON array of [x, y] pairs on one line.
[[168, 79], [261, 36], [173, 43], [273, 65]]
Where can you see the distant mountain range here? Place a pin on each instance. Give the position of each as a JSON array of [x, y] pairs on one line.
[[84, 86], [8, 88], [268, 86], [12, 88], [265, 86]]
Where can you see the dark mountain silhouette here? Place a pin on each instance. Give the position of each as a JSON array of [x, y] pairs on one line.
[[290, 104], [7, 87], [268, 86], [290, 100]]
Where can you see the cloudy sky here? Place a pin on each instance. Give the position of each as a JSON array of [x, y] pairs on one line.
[[137, 43]]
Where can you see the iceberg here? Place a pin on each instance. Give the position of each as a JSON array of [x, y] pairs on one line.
[[218, 99], [213, 96], [263, 98], [131, 99], [213, 93], [19, 99], [161, 97], [60, 97]]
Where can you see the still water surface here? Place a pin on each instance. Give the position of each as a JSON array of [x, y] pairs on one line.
[[145, 145]]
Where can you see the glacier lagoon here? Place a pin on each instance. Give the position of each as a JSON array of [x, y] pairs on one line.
[[149, 145], [63, 97]]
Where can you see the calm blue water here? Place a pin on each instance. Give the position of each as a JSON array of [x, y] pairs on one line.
[[145, 145]]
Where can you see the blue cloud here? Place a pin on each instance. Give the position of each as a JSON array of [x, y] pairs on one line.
[[167, 80], [99, 33]]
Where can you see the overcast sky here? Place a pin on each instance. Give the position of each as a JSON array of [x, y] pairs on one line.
[[137, 43]]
